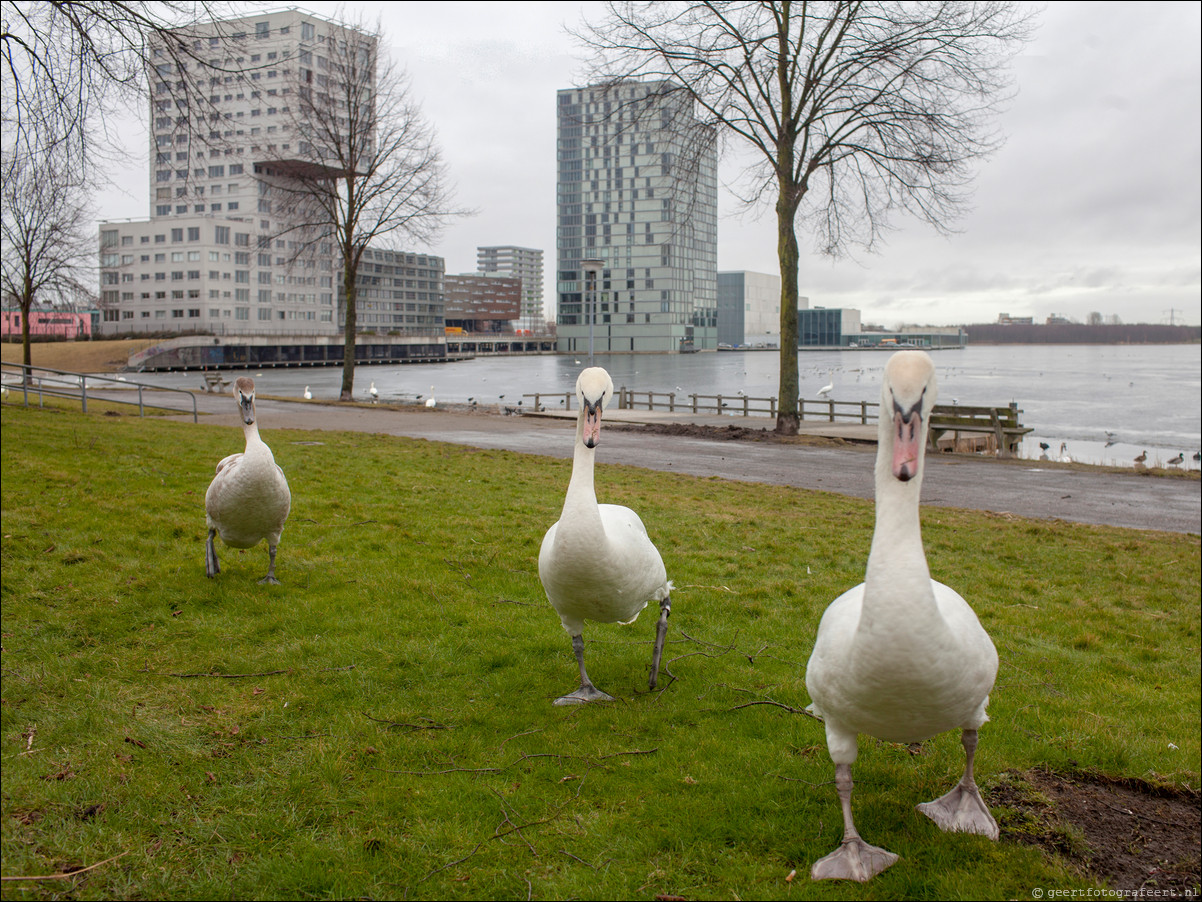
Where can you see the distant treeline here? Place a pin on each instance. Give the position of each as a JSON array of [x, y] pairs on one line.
[[1080, 333]]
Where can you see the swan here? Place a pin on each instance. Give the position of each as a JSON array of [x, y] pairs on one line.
[[248, 499], [1064, 457], [828, 388], [900, 657], [430, 402], [308, 394], [596, 562], [373, 392]]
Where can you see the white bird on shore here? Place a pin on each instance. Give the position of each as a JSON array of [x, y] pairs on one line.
[[828, 388], [375, 394], [1064, 457], [596, 562], [308, 394], [900, 656], [430, 402], [248, 500]]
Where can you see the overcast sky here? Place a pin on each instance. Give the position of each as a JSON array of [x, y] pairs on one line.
[[1092, 205]]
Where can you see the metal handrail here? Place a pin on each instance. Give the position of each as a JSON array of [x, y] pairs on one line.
[[33, 377]]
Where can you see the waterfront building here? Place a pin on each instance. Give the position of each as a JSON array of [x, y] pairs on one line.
[[224, 251], [749, 307], [827, 327], [526, 264], [636, 192], [482, 302]]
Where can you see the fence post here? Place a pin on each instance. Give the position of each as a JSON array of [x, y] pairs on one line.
[[801, 408], [83, 392], [671, 402], [863, 413], [746, 409], [694, 397], [772, 407], [830, 404]]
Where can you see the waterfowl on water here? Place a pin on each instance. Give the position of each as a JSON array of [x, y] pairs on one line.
[[900, 656], [597, 562], [248, 500]]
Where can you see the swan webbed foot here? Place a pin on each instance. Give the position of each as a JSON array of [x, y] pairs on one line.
[[586, 693], [961, 811], [270, 577], [661, 631], [853, 860], [212, 567]]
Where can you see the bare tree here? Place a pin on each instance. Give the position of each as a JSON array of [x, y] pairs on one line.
[[371, 169], [46, 256], [63, 63], [852, 110]]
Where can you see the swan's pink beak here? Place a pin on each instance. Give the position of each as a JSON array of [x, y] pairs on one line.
[[592, 424], [907, 445]]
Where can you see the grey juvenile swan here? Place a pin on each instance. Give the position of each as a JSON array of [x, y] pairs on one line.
[[596, 562], [248, 499]]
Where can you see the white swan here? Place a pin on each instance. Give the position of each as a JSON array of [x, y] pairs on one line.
[[308, 394], [1064, 457], [596, 562], [900, 657], [828, 388], [430, 402], [373, 392], [248, 499]]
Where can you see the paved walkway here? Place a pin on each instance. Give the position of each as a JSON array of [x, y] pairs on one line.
[[1025, 489]]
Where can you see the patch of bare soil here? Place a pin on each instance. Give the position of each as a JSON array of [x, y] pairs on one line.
[[1127, 834]]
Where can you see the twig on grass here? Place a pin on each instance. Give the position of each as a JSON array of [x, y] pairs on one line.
[[68, 874], [515, 761], [451, 864], [788, 708], [242, 676], [516, 735], [429, 725]]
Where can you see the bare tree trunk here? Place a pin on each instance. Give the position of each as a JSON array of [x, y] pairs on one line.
[[787, 421], [26, 350], [348, 347]]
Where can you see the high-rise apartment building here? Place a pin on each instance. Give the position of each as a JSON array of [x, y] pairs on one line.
[[223, 250], [524, 263], [636, 192]]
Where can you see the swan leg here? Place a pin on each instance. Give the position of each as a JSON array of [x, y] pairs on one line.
[[270, 577], [963, 810], [587, 691], [212, 568], [661, 630], [854, 859]]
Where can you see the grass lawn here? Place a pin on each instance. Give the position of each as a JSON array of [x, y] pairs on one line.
[[106, 356], [380, 725]]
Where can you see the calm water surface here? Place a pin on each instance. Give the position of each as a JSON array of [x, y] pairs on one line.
[[1136, 397]]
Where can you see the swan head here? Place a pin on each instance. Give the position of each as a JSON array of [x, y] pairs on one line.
[[594, 388], [244, 393], [907, 396]]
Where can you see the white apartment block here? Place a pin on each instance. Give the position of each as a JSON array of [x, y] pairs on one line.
[[215, 254], [654, 234], [526, 264]]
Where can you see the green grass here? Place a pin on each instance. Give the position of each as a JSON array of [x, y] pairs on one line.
[[396, 734]]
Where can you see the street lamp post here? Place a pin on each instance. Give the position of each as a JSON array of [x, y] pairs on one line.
[[591, 268]]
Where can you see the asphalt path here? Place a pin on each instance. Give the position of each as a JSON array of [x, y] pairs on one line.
[[1021, 489]]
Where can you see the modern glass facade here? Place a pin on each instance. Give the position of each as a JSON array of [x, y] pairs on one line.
[[637, 191]]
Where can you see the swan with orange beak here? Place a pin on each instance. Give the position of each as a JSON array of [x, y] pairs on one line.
[[597, 562]]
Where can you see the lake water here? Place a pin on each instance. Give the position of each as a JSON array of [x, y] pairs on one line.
[[1107, 403]]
